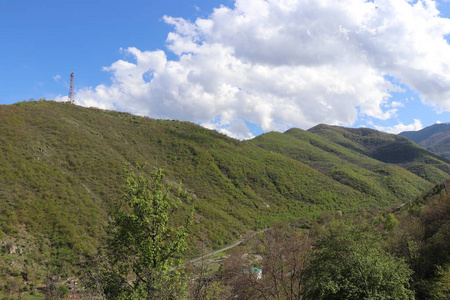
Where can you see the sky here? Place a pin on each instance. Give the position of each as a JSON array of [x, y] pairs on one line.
[[241, 67]]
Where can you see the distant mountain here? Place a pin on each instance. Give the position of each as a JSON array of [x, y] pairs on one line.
[[388, 148], [372, 162], [435, 138]]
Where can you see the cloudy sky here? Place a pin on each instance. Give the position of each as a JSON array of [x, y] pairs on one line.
[[241, 67]]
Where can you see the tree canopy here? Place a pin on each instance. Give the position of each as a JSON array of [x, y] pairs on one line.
[[144, 244], [350, 263]]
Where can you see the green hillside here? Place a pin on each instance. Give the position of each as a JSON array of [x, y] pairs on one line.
[[388, 148], [380, 182], [61, 169], [422, 239], [435, 138]]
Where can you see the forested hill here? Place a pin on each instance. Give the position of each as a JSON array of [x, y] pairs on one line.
[[435, 138], [388, 148], [347, 161], [61, 169]]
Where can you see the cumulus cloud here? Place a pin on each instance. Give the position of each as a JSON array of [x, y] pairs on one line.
[[236, 129], [400, 127], [286, 63]]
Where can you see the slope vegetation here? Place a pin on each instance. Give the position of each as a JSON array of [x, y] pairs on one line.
[[435, 138], [380, 182], [61, 169], [61, 172], [388, 148]]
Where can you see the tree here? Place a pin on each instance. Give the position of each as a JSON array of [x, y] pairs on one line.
[[442, 285], [144, 244], [390, 222], [283, 254], [350, 263]]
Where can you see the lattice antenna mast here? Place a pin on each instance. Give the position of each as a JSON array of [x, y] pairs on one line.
[[71, 99]]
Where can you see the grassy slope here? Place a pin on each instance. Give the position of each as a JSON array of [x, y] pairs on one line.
[[388, 148], [61, 170], [382, 183]]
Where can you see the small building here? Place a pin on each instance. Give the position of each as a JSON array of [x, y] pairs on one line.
[[256, 271]]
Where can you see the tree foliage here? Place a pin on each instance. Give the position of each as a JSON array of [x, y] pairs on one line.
[[281, 254], [286, 254], [423, 240], [144, 244], [350, 263], [442, 286]]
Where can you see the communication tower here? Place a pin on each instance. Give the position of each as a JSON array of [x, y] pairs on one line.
[[71, 99]]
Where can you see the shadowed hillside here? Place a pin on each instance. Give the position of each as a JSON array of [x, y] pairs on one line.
[[378, 180], [388, 148], [435, 138]]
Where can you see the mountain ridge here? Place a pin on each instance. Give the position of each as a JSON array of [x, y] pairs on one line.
[[435, 138], [350, 162]]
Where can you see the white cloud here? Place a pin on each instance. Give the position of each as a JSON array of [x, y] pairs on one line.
[[400, 127], [284, 63], [397, 104], [236, 129], [57, 77]]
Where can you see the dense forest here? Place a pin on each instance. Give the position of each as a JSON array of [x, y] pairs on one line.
[[292, 198]]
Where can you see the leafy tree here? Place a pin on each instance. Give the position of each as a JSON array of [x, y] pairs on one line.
[[391, 222], [350, 263], [442, 285], [144, 244]]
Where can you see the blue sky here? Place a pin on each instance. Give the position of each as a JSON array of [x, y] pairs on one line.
[[43, 39], [241, 67]]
